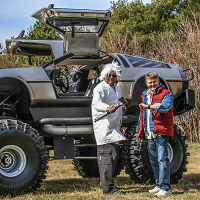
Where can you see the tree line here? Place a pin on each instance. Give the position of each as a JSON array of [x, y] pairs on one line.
[[164, 30]]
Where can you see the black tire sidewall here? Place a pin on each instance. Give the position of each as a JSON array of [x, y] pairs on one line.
[[177, 161], [33, 160], [178, 155], [144, 173], [89, 168]]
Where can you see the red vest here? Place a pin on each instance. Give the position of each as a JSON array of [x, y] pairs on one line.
[[163, 122]]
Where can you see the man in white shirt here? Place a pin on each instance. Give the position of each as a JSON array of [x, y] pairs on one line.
[[107, 130]]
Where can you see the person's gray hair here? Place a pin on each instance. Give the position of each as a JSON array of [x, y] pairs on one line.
[[111, 67]]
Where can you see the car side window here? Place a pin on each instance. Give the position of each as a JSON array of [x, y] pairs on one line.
[[142, 62]]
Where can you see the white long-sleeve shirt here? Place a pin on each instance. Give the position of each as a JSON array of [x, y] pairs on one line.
[[107, 130]]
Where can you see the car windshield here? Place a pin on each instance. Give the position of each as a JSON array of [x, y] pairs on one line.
[[82, 28]]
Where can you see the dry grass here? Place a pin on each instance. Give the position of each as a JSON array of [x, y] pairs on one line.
[[64, 183]]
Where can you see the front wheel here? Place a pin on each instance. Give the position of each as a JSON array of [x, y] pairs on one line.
[[23, 158]]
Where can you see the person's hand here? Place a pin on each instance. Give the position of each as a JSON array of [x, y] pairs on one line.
[[111, 109], [143, 106], [138, 138]]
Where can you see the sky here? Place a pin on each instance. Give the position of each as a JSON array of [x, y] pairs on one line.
[[15, 15]]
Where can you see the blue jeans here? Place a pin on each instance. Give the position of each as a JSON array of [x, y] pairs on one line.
[[158, 156]]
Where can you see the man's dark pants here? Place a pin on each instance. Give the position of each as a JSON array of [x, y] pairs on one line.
[[107, 156]]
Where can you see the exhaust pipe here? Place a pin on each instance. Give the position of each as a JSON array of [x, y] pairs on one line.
[[68, 130]]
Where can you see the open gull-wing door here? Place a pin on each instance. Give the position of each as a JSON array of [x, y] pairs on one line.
[[19, 46], [80, 28]]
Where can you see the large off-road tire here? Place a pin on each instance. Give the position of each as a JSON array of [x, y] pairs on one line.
[[137, 162], [88, 168], [23, 158]]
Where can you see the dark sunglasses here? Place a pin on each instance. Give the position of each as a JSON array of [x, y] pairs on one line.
[[113, 75]]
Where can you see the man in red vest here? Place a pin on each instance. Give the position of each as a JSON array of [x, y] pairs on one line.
[[156, 125]]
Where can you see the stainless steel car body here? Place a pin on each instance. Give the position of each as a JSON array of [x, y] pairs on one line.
[[34, 88], [33, 108], [129, 76], [84, 44]]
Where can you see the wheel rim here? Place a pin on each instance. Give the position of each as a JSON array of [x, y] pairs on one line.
[[12, 161], [170, 152]]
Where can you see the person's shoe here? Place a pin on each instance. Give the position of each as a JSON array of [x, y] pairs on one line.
[[154, 190], [115, 190], [163, 193]]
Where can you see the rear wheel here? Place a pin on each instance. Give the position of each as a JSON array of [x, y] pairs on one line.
[[137, 162], [86, 147], [88, 168], [23, 158]]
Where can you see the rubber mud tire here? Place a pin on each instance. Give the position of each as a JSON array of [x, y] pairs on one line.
[[89, 168], [23, 158], [137, 162]]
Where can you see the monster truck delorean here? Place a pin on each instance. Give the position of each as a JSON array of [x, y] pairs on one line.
[[37, 117]]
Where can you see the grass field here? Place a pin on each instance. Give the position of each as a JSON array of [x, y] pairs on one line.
[[63, 182]]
